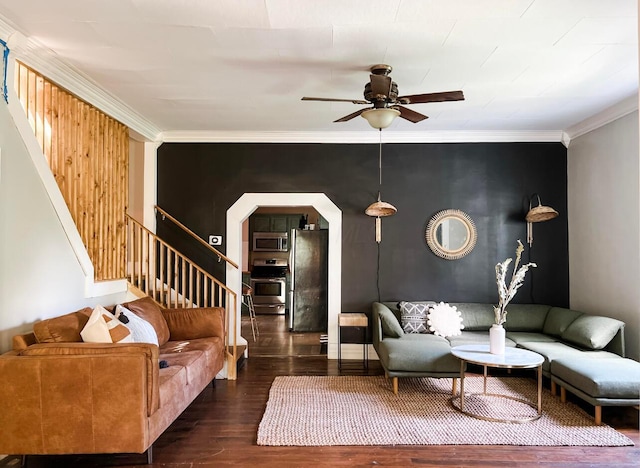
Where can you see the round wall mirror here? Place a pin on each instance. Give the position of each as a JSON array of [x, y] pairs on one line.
[[451, 234]]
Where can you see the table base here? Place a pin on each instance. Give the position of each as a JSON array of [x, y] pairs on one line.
[[461, 398]]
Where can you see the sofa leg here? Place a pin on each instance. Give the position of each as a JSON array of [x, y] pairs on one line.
[[598, 415], [150, 455], [23, 461], [563, 394], [553, 388], [395, 385], [213, 382]]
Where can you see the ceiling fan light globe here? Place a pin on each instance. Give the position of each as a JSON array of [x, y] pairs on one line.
[[380, 118]]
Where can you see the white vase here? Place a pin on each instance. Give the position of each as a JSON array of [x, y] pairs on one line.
[[496, 339]]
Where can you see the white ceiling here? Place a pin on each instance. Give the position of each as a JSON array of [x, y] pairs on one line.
[[243, 65]]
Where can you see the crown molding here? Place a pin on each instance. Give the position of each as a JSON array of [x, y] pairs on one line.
[[488, 136], [618, 110], [46, 62]]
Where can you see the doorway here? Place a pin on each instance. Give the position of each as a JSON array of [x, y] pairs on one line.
[[244, 207], [268, 268]]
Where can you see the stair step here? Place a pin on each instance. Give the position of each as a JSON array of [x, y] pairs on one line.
[[240, 359]]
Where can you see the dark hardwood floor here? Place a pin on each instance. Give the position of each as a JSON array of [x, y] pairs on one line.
[[219, 428]]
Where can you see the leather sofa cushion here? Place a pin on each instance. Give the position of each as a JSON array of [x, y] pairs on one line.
[[63, 329], [194, 362], [147, 309], [194, 323], [23, 341], [592, 331]]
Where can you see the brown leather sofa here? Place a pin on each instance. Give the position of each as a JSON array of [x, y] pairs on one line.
[[61, 396]]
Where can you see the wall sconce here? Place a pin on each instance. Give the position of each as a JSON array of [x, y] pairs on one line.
[[537, 214]]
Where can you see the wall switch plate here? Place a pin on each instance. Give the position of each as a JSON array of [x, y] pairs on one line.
[[215, 240]]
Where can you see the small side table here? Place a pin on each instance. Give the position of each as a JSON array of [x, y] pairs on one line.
[[354, 319]]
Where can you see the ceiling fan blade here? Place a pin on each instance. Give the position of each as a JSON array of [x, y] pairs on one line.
[[380, 85], [410, 115], [353, 101], [432, 97], [350, 116]]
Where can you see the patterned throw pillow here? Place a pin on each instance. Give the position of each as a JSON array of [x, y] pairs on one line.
[[104, 327], [445, 320], [141, 330], [413, 316]]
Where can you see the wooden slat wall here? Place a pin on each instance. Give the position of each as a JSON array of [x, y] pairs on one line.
[[88, 153]]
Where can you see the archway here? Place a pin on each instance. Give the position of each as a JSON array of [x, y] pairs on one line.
[[246, 205]]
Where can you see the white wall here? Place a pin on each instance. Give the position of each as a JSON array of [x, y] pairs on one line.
[[40, 275], [604, 224]]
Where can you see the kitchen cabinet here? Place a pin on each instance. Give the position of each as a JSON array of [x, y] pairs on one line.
[[271, 223], [322, 223], [259, 223], [278, 223], [293, 222]]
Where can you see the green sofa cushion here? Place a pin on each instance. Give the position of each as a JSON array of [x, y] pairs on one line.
[[525, 337], [390, 324], [556, 350], [473, 337], [558, 319], [601, 378], [526, 317], [592, 331], [475, 316], [418, 352]]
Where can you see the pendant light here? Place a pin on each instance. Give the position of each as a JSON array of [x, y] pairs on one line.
[[379, 208]]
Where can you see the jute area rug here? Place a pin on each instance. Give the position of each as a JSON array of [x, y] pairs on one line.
[[362, 410]]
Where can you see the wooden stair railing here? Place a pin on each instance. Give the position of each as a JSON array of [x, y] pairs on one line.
[[173, 280], [215, 251]]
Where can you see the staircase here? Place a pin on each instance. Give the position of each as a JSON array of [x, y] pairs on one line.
[[88, 154], [157, 270]]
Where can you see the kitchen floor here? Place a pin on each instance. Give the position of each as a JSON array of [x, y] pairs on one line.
[[275, 339]]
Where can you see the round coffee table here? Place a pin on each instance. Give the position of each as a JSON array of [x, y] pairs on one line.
[[513, 358]]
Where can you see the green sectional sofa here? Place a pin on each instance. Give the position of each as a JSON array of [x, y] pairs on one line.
[[566, 337]]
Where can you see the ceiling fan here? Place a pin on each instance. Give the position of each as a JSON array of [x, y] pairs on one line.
[[382, 92]]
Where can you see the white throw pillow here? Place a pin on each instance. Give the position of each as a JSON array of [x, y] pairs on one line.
[[445, 320], [103, 327], [141, 330]]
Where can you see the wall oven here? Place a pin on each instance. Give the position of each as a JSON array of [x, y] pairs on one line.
[[270, 241], [269, 286]]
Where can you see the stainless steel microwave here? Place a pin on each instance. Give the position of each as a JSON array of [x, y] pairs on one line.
[[270, 241]]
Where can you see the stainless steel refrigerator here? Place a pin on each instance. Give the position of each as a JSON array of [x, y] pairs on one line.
[[308, 294]]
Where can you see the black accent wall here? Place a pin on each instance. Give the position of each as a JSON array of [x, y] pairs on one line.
[[492, 182]]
